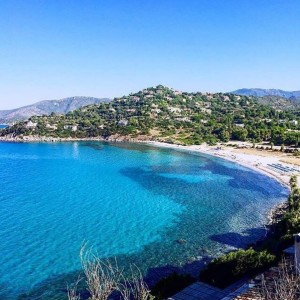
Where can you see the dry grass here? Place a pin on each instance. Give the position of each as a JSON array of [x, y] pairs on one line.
[[283, 285], [103, 278]]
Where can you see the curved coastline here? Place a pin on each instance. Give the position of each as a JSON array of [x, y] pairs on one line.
[[275, 212], [251, 161], [207, 150], [255, 162], [248, 161]]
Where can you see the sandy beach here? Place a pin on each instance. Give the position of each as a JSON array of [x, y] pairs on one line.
[[259, 161]]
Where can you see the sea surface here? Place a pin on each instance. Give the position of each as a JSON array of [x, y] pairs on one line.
[[158, 208], [2, 126]]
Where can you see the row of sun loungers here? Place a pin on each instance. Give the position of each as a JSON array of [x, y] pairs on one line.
[[283, 169]]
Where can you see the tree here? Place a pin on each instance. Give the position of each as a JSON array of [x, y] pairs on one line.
[[278, 136], [224, 135], [239, 134]]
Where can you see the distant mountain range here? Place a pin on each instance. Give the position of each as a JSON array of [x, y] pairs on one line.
[[295, 95], [46, 107]]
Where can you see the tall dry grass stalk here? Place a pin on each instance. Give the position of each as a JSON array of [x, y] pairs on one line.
[[103, 278], [134, 287], [72, 292], [284, 284]]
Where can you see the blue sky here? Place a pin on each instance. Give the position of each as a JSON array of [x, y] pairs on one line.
[[54, 49]]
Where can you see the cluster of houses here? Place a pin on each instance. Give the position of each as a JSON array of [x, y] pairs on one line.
[[179, 111], [32, 125]]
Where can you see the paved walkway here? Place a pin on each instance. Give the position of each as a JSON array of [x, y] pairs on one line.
[[203, 291], [199, 291]]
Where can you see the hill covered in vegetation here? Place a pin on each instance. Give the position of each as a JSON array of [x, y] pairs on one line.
[[164, 114], [279, 103]]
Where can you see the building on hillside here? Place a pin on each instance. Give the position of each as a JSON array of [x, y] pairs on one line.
[[240, 125], [49, 126], [71, 127], [177, 93], [123, 122], [173, 109], [168, 98], [294, 122], [135, 98], [31, 124]]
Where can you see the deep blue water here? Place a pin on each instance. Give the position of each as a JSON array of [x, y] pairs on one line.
[[130, 201], [2, 126]]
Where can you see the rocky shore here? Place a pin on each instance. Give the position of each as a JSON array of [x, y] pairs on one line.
[[47, 139], [276, 213]]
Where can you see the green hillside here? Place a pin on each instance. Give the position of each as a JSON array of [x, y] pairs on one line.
[[161, 113]]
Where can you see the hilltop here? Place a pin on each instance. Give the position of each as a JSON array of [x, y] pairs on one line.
[[47, 107], [164, 114]]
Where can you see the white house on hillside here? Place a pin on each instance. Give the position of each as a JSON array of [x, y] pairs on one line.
[[31, 124]]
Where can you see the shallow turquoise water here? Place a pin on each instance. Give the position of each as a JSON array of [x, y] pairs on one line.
[[130, 201]]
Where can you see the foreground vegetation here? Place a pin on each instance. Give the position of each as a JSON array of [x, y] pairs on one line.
[[228, 268], [172, 116], [104, 278]]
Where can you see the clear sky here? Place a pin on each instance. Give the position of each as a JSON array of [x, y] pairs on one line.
[[55, 49]]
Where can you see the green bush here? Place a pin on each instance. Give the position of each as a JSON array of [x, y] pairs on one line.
[[230, 267], [296, 153], [293, 182]]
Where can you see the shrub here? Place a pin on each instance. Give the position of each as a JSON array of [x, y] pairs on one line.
[[232, 266], [296, 153]]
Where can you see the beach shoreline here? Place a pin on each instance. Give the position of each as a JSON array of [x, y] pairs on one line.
[[253, 161]]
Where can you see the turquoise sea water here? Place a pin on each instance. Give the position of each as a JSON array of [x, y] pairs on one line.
[[2, 126], [130, 201]]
